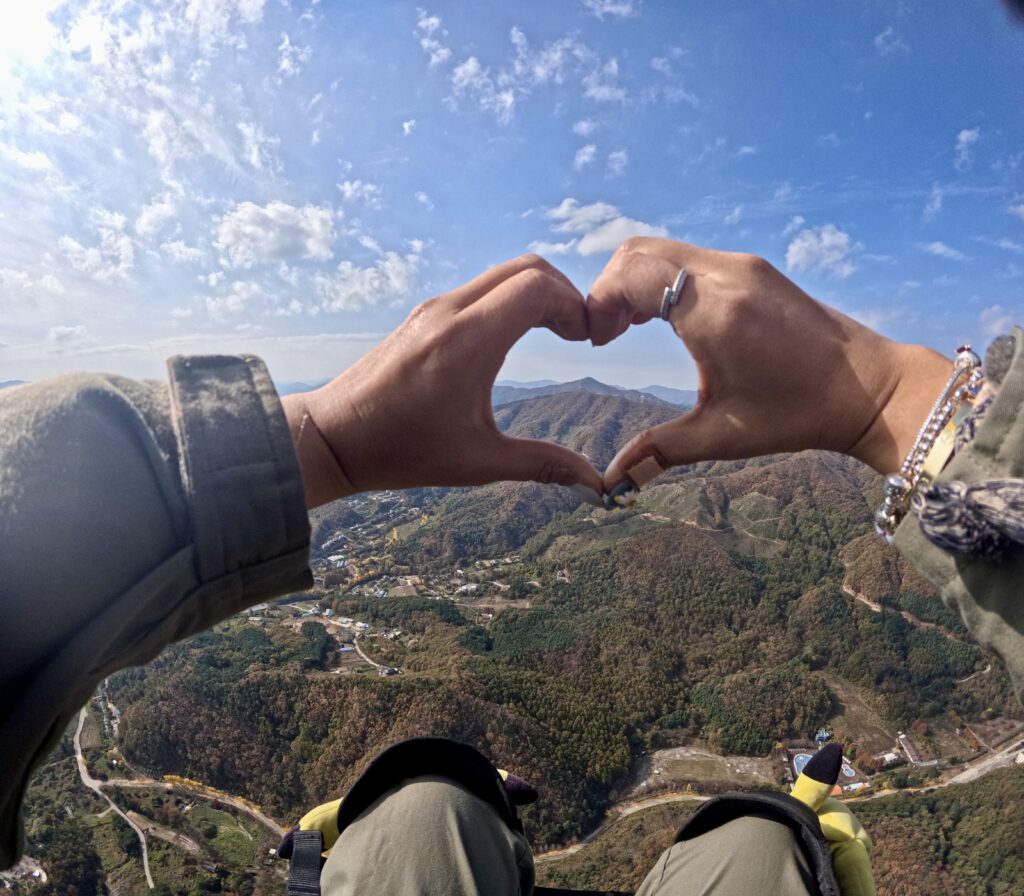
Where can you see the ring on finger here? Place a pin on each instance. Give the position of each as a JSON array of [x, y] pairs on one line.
[[671, 297]]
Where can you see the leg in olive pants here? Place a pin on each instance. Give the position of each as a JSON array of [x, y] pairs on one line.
[[432, 837]]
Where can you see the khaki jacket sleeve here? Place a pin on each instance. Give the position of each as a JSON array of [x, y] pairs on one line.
[[988, 594], [132, 515]]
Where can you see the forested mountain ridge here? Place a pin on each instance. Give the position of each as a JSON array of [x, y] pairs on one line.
[[506, 393]]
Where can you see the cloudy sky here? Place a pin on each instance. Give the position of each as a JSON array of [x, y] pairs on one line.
[[289, 178]]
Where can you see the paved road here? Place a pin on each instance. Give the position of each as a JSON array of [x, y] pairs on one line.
[[623, 811], [226, 798], [978, 769], [97, 787]]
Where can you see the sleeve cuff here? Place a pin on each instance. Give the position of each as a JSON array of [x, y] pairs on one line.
[[240, 471]]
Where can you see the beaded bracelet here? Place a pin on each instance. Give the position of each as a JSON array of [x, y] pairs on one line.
[[963, 385]]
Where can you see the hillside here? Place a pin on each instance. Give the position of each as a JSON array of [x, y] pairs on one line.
[[505, 394], [958, 841], [595, 425], [721, 614]]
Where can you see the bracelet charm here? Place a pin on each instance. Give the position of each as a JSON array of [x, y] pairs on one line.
[[919, 466]]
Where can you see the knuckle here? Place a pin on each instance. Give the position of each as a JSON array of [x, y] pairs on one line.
[[533, 279], [756, 266], [647, 444], [423, 309], [531, 260], [633, 244]]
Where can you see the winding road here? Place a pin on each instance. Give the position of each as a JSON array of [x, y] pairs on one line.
[[97, 787]]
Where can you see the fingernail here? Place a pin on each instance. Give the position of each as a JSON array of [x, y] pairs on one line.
[[645, 471], [586, 495], [625, 494]]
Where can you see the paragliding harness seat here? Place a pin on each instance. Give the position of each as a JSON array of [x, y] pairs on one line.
[[466, 766]]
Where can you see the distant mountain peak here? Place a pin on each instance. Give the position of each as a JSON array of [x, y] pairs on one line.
[[506, 392]]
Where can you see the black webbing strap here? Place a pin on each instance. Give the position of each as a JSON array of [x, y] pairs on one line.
[[780, 807], [304, 870]]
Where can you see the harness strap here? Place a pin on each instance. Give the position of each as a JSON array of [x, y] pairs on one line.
[[780, 807], [304, 870]]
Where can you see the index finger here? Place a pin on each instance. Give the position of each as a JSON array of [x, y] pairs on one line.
[[630, 288], [464, 296], [531, 298]]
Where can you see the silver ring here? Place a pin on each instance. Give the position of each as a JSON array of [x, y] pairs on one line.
[[671, 297]]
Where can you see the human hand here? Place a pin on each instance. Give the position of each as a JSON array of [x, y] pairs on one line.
[[416, 411], [778, 370]]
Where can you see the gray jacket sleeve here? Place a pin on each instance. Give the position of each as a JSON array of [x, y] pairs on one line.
[[131, 515], [988, 594]]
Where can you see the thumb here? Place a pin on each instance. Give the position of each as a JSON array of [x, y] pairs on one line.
[[532, 459], [693, 437]]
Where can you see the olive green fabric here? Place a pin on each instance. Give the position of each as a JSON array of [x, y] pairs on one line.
[[132, 515], [747, 856], [988, 594], [431, 837]]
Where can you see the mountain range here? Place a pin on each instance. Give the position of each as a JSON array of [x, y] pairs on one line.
[[507, 391]]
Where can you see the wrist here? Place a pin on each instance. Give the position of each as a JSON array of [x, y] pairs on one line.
[[919, 376], [323, 477]]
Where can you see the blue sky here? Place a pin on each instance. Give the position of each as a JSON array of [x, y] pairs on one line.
[[289, 178]]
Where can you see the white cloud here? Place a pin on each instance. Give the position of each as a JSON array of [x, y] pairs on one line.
[[940, 250], [825, 248], [549, 64], [964, 150], [361, 191], [424, 200], [795, 223], [734, 216], [888, 41], [26, 282], [610, 235], [543, 248], [830, 139], [662, 65], [585, 127], [584, 156], [995, 321], [30, 161], [601, 226], [934, 204], [291, 58], [154, 215], [61, 338], [601, 85], [238, 297], [1017, 210], [1009, 245], [351, 288], [408, 126], [617, 162], [747, 150], [473, 80], [213, 20], [252, 234], [112, 259], [177, 250], [429, 32], [368, 242], [256, 145], [619, 9], [576, 218]]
